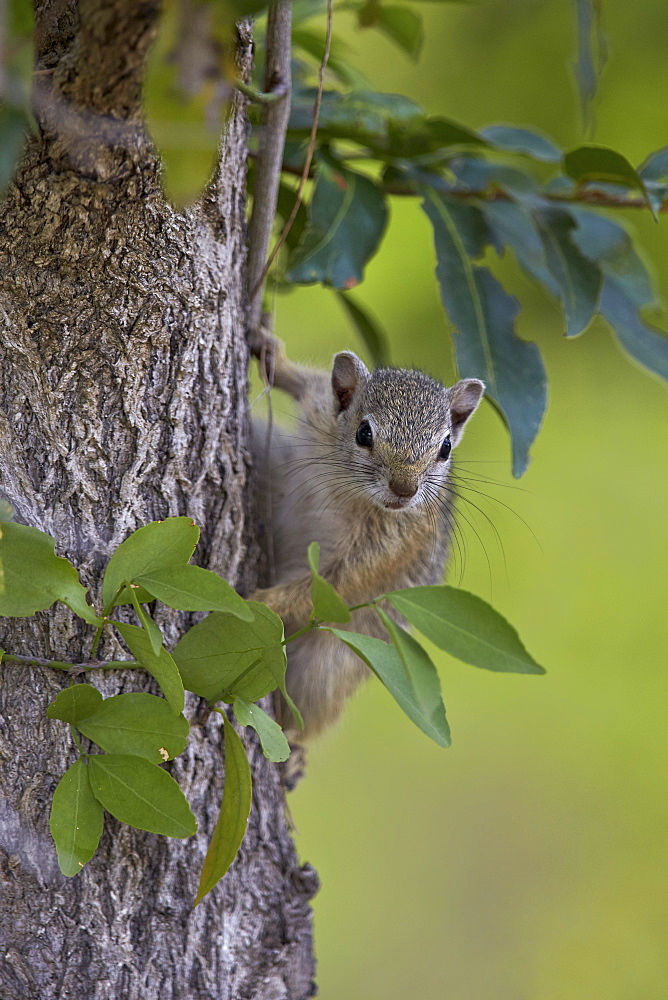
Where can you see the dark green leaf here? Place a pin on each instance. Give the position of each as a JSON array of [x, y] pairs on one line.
[[340, 55], [13, 126], [655, 167], [577, 277], [481, 175], [522, 140], [484, 315], [387, 665], [466, 627], [327, 604], [234, 812], [599, 163], [644, 343], [607, 243], [139, 724], [162, 666], [157, 546], [347, 217], [191, 588], [76, 819], [75, 703], [275, 747], [223, 655], [286, 202], [141, 794], [401, 24], [422, 675], [592, 53], [34, 577], [370, 332], [363, 116], [513, 225]]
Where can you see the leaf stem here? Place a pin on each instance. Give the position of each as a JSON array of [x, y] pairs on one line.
[[75, 737]]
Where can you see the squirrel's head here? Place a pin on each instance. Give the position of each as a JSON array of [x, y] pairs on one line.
[[398, 428]]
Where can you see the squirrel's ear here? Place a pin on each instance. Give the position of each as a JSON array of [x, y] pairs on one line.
[[348, 372], [464, 398]]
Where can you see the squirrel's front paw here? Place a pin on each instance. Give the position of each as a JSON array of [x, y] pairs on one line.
[[267, 348]]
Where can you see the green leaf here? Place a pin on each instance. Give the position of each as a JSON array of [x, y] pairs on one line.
[[347, 217], [387, 665], [75, 703], [340, 55], [607, 243], [157, 546], [141, 794], [76, 819], [13, 126], [364, 116], [514, 226], [138, 724], [6, 511], [599, 163], [35, 577], [370, 332], [234, 812], [422, 675], [191, 588], [150, 627], [464, 626], [162, 666], [401, 24], [327, 604], [578, 278], [482, 175], [644, 343], [484, 316], [522, 140], [592, 54], [223, 655], [275, 746]]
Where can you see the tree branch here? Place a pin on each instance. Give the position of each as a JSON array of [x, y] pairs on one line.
[[270, 156]]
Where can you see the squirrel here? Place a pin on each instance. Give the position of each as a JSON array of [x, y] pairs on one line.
[[365, 473]]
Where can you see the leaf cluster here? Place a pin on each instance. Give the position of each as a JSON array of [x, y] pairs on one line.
[[235, 656]]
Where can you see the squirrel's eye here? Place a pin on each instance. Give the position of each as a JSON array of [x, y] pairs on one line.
[[446, 448], [364, 436]]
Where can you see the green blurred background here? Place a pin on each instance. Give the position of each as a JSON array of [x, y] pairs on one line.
[[528, 861]]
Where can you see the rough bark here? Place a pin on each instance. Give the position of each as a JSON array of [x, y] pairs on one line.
[[123, 399]]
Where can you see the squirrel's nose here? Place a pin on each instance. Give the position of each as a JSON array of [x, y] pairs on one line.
[[402, 489]]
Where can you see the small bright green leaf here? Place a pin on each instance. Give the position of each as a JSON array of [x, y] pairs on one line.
[[522, 140], [191, 588], [141, 794], [422, 675], [327, 604], [75, 703], [234, 812], [466, 627], [223, 655], [157, 546], [76, 819], [35, 577], [484, 316], [401, 24], [347, 217], [13, 126], [275, 747], [150, 627], [387, 665], [599, 163], [578, 278], [370, 332], [136, 723], [162, 666]]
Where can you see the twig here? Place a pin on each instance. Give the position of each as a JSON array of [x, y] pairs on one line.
[[309, 152], [270, 158], [40, 661]]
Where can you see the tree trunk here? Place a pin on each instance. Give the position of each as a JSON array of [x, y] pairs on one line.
[[123, 400]]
